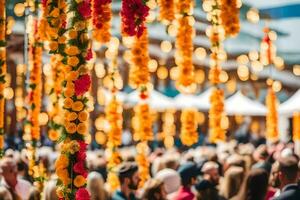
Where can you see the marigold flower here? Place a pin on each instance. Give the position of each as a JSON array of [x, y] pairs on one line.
[[77, 106], [72, 50], [82, 116], [62, 162], [73, 34], [70, 127], [53, 135], [73, 61], [82, 128], [68, 102], [79, 181], [53, 46]]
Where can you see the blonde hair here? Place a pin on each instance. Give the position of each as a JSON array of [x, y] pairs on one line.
[[50, 191], [233, 179], [5, 194], [95, 186]]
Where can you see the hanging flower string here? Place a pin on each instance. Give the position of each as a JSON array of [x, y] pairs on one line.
[[133, 16], [101, 20], [166, 10], [272, 116], [296, 126], [230, 17], [34, 94], [189, 125], [2, 70], [184, 47], [70, 165]]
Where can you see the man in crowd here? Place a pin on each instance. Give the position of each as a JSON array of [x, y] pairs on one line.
[[19, 188], [129, 180], [188, 173], [288, 176]]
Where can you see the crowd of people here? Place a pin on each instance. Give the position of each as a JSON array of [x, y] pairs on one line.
[[229, 171]]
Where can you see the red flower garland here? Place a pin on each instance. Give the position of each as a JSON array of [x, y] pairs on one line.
[[82, 85], [134, 13], [84, 8], [100, 14]]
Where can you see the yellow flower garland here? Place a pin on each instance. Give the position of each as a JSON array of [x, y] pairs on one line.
[[112, 177], [296, 126], [272, 116], [216, 133], [139, 74], [167, 10], [143, 163], [230, 17], [2, 70], [189, 124]]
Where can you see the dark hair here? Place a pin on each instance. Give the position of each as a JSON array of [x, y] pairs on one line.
[[254, 186], [126, 170], [151, 189], [289, 168]]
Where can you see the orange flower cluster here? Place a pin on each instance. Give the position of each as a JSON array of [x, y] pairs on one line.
[[267, 49], [53, 22], [216, 133], [113, 113], [2, 70], [167, 10], [188, 133], [214, 73], [143, 163], [184, 48], [230, 17], [142, 123], [296, 126], [139, 73], [272, 116], [112, 177], [39, 174], [101, 20], [185, 7]]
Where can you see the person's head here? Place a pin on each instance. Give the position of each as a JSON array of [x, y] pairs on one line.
[[255, 185], [50, 190], [5, 194], [34, 194], [261, 153], [9, 171], [95, 186], [288, 171], [233, 179], [274, 175], [128, 175], [154, 189], [170, 178], [188, 173], [210, 172]]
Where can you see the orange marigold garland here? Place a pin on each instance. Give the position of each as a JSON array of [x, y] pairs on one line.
[[216, 132], [184, 47], [230, 17], [112, 177], [70, 165], [34, 94], [139, 74], [189, 124], [296, 126], [101, 20], [267, 48], [272, 116], [2, 70], [167, 10], [142, 161]]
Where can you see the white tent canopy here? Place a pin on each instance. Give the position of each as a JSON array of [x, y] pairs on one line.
[[291, 105], [185, 101], [203, 100], [156, 100], [121, 96], [238, 104]]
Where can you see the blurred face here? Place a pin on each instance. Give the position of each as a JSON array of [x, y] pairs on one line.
[[163, 193], [214, 176], [274, 179], [9, 173], [134, 181]]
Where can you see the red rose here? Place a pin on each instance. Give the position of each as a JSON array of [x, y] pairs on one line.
[[89, 55], [82, 194], [80, 169], [84, 9], [82, 84]]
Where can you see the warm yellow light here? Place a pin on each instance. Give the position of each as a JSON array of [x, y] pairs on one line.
[[127, 56], [277, 86], [253, 55], [279, 63], [8, 93], [200, 118], [43, 118], [162, 72], [151, 4], [172, 30], [223, 76], [166, 46], [152, 65], [200, 53], [199, 76], [296, 70], [256, 66], [114, 43], [101, 97], [254, 77], [151, 17], [128, 41], [269, 82], [207, 6], [272, 35], [100, 137], [239, 119], [243, 72], [19, 9], [174, 73], [242, 59], [224, 122], [100, 70], [231, 86], [253, 15]]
